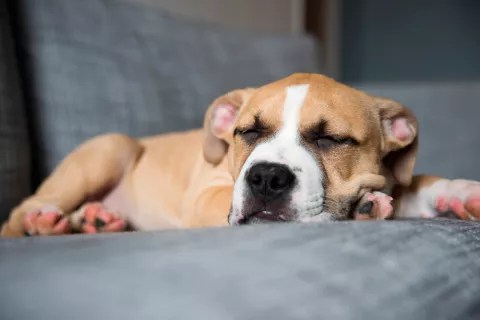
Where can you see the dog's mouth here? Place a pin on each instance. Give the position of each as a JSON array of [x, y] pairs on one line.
[[264, 216], [261, 213]]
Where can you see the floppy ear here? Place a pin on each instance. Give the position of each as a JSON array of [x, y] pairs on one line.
[[219, 122], [400, 139]]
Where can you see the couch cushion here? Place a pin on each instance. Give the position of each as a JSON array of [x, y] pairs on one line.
[[448, 115], [101, 66], [14, 148], [351, 270]]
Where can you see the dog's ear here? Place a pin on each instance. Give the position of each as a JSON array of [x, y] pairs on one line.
[[400, 139], [219, 122]]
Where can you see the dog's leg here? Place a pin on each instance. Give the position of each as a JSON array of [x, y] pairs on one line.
[[430, 196], [210, 209], [93, 169]]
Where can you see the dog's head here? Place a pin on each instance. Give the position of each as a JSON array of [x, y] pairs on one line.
[[307, 147]]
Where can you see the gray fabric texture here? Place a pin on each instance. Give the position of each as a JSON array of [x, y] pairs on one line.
[[14, 146], [448, 115], [345, 270], [107, 66]]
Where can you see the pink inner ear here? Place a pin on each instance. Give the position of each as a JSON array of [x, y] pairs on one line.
[[224, 116], [401, 130]]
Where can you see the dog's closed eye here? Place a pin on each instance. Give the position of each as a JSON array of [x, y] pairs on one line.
[[251, 134], [323, 140], [326, 142]]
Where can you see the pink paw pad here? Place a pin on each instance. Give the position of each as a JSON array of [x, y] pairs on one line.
[[48, 220], [472, 205], [97, 218], [465, 210], [374, 206], [441, 204]]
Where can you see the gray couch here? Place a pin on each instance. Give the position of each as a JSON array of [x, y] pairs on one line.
[[73, 69]]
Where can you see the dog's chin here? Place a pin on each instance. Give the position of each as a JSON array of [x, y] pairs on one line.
[[267, 217], [263, 217]]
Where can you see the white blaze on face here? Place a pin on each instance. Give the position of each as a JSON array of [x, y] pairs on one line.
[[285, 148]]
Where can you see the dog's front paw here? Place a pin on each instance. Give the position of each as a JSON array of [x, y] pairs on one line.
[[48, 220], [94, 217], [461, 197], [374, 206]]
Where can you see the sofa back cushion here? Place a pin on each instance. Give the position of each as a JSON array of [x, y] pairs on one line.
[[14, 147], [448, 115], [110, 66]]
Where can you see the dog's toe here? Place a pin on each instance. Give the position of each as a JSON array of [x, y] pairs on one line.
[[473, 206], [97, 219], [462, 198], [374, 206], [48, 220]]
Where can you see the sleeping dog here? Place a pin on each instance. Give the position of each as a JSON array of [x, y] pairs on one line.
[[304, 148]]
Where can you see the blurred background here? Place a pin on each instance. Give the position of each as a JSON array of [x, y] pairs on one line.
[[362, 40], [73, 69]]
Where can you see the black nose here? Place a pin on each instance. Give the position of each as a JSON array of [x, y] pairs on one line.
[[269, 180]]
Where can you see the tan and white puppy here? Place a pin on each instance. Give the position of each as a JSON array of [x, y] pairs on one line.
[[305, 148]]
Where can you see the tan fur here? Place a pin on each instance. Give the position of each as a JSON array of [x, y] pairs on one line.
[[184, 180], [350, 172], [154, 195]]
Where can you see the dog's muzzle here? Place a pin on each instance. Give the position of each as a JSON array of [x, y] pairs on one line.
[[269, 187]]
